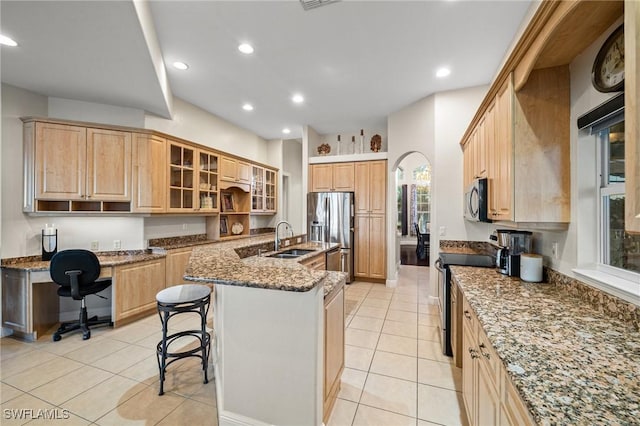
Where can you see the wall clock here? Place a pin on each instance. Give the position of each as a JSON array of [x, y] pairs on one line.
[[607, 74]]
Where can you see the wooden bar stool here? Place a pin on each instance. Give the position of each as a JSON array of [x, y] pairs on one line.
[[180, 299]]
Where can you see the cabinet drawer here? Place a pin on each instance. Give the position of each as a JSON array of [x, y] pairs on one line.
[[316, 262], [469, 317], [488, 357]]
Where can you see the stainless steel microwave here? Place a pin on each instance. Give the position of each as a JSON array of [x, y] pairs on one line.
[[476, 201]]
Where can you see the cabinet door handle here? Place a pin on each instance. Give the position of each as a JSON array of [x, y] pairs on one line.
[[467, 315], [474, 353], [485, 354]]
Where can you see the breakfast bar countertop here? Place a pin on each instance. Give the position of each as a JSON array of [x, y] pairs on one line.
[[222, 265], [570, 363]]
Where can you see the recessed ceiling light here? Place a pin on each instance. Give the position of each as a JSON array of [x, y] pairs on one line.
[[443, 72], [297, 98], [247, 107], [180, 65], [286, 131], [7, 41], [246, 48]]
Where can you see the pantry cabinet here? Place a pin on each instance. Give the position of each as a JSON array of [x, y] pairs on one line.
[[632, 115], [370, 219], [331, 177]]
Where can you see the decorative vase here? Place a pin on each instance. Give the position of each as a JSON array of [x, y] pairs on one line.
[[361, 151], [376, 143]]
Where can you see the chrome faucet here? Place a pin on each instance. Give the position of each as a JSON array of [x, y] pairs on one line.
[[277, 239]]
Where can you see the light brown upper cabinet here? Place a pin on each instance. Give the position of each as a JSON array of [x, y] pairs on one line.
[[500, 177], [331, 177], [233, 170], [75, 164], [149, 186], [182, 177], [632, 118], [370, 187], [263, 190]]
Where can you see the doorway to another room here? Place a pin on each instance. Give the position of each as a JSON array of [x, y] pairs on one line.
[[413, 189]]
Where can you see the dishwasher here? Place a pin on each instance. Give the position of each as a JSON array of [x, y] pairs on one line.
[[333, 260]]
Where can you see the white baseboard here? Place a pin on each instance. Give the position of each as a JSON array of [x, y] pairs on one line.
[[392, 283]]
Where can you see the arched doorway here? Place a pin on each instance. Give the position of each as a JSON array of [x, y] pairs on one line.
[[412, 209]]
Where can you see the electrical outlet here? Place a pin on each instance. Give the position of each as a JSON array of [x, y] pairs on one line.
[[554, 249], [299, 240], [117, 244], [184, 226], [286, 243], [95, 245], [442, 231]]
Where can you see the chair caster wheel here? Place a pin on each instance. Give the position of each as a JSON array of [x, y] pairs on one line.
[[56, 337], [86, 336]]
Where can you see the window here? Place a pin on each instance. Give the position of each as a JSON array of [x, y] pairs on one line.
[[422, 178], [618, 248]]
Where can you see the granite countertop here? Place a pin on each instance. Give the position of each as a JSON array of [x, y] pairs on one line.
[[106, 259], [198, 240], [570, 363], [220, 264]]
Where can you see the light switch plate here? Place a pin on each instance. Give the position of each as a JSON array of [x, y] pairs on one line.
[[442, 231], [95, 245], [117, 244]]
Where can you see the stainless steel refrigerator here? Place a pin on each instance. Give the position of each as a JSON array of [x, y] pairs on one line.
[[330, 219]]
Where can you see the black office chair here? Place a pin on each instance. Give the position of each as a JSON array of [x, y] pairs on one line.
[[422, 248], [77, 272]]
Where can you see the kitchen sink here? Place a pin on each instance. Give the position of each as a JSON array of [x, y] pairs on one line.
[[290, 254]]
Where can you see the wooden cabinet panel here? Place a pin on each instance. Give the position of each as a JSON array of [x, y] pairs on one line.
[[468, 373], [502, 189], [377, 247], [135, 287], [632, 115], [108, 165], [362, 188], [370, 250], [513, 412], [317, 262], [378, 188], [321, 177], [176, 264], [60, 162], [488, 399], [361, 241], [334, 343], [149, 187], [343, 176], [331, 177], [235, 170]]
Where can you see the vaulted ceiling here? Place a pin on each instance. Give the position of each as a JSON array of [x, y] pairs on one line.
[[355, 62]]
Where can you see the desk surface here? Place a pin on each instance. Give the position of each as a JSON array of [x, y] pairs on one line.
[[116, 258]]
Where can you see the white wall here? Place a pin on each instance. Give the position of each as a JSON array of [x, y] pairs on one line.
[[434, 127], [20, 232], [196, 125], [292, 166]]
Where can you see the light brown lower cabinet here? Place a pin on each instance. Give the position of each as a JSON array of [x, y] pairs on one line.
[[176, 264], [316, 262], [333, 350], [371, 246], [135, 287], [488, 394]]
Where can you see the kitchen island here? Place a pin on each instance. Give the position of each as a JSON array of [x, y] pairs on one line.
[[569, 362], [269, 322]]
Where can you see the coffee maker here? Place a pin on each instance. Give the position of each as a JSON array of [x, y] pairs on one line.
[[512, 244]]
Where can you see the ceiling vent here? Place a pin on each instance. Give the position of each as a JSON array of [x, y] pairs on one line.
[[312, 4]]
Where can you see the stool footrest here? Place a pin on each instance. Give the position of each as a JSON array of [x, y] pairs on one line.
[[173, 337]]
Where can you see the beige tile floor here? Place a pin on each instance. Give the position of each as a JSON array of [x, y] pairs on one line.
[[395, 373], [110, 379]]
